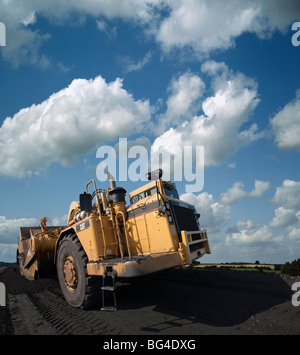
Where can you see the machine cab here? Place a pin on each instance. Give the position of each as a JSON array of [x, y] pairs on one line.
[[168, 221]]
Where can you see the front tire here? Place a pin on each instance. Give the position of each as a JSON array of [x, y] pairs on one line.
[[78, 288]]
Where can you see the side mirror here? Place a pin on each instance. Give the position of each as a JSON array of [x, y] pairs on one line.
[[85, 201]]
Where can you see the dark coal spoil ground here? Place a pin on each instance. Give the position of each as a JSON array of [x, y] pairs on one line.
[[174, 302]]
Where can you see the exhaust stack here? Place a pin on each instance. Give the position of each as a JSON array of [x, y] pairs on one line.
[[111, 180]]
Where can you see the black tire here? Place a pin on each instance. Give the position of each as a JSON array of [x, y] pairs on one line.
[[78, 288]]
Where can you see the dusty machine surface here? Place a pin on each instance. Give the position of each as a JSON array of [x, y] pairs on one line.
[[105, 238]]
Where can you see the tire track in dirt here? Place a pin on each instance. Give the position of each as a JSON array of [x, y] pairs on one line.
[[68, 320], [26, 319]]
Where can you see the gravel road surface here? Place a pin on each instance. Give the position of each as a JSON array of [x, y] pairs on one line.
[[175, 302]]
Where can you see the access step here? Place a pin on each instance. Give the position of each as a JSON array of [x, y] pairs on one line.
[[108, 288], [109, 308], [109, 275]]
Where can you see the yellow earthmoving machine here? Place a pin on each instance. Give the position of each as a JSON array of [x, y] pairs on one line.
[[105, 239]]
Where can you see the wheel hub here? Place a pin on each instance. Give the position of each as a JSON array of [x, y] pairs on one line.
[[70, 273]]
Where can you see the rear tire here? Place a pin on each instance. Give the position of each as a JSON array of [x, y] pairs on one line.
[[78, 288]]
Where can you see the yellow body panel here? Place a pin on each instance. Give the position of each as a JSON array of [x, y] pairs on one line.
[[89, 232], [89, 235], [149, 230]]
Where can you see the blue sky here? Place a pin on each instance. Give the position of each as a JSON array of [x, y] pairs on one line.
[[78, 75]]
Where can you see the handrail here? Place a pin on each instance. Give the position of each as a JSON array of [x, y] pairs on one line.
[[126, 235], [119, 238], [99, 212]]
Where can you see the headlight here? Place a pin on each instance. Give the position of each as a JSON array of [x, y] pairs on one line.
[[162, 209], [170, 219]]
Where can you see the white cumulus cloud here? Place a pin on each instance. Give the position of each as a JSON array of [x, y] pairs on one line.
[[260, 188], [71, 122], [10, 228], [288, 214], [286, 125], [237, 192], [251, 234], [234, 194], [283, 217], [294, 233], [218, 129], [205, 25], [202, 25], [184, 101], [288, 195]]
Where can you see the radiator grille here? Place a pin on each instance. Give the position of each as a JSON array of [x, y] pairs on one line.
[[185, 220]]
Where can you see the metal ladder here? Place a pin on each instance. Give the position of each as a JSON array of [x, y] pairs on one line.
[[109, 273]]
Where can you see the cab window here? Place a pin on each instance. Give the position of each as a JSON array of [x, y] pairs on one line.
[[171, 191]]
